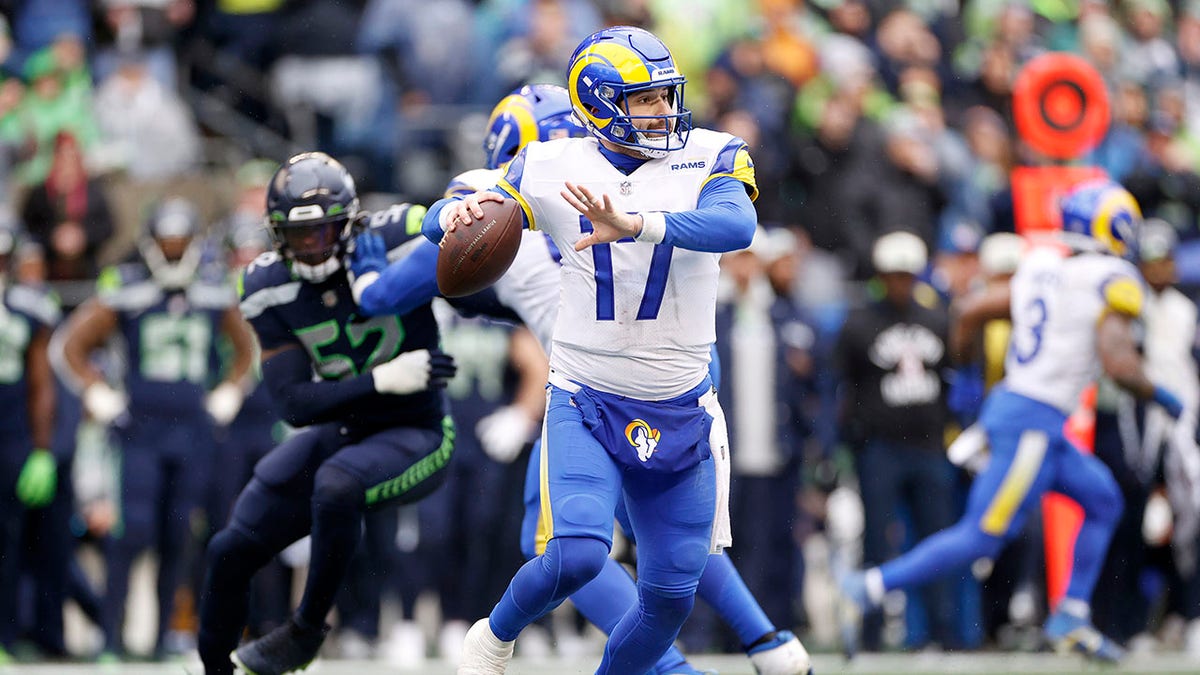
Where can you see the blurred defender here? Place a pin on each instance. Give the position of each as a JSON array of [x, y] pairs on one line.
[[170, 319]]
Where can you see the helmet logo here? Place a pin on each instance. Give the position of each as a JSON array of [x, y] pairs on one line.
[[306, 212], [663, 74]]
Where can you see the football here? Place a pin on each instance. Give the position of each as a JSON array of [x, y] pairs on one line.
[[474, 256]]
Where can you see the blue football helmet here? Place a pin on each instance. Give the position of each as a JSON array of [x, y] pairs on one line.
[[613, 63], [534, 112], [1106, 212], [170, 244], [311, 206]]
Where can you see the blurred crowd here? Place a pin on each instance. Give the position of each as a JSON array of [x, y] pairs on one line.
[[883, 138]]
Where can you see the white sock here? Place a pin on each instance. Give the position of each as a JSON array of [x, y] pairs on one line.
[[1076, 608], [874, 582]]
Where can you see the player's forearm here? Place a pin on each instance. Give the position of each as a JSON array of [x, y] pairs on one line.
[[41, 390], [1119, 357], [723, 220], [431, 225], [240, 336], [303, 402], [403, 286]]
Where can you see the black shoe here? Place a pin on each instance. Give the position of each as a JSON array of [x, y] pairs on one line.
[[287, 649]]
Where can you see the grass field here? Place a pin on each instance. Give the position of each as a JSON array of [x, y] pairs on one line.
[[882, 664]]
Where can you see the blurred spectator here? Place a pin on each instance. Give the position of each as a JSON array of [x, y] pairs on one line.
[[838, 170], [981, 194], [68, 214], [1123, 151], [244, 29], [58, 98], [539, 53], [135, 111], [145, 27], [910, 197], [38, 23], [903, 41], [787, 43], [891, 354], [766, 359], [1148, 56]]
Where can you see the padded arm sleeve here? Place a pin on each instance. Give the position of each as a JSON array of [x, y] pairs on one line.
[[302, 402], [723, 220], [404, 285]]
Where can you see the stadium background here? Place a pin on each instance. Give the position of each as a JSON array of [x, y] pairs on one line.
[[863, 118]]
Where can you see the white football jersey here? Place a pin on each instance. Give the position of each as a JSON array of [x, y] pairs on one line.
[[1057, 300], [634, 318], [530, 286]]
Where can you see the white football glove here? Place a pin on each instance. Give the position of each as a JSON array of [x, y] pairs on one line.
[[103, 403], [970, 450], [224, 402], [505, 432], [413, 371]]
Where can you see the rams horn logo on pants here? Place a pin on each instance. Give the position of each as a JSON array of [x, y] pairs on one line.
[[641, 436]]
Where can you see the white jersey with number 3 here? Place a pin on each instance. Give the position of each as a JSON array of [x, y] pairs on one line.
[[634, 318], [1058, 298]]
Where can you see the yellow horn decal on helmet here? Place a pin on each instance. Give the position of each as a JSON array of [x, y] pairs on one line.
[[522, 112], [1113, 203], [624, 60]]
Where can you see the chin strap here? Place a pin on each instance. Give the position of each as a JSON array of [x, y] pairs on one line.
[[169, 274], [316, 273]]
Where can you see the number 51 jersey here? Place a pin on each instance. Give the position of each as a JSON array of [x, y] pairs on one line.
[[634, 318], [1058, 298]]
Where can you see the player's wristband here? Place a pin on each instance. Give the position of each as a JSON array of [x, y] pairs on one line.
[[361, 284], [1168, 401], [654, 227]]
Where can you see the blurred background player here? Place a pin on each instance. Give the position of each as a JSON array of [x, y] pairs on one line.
[[28, 470], [1072, 307], [378, 434], [170, 319], [530, 289]]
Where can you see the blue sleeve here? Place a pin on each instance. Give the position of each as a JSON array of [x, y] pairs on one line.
[[404, 285], [431, 225], [723, 220], [300, 400]]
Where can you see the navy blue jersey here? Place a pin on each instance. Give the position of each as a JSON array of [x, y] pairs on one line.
[[170, 337], [322, 319], [24, 311]]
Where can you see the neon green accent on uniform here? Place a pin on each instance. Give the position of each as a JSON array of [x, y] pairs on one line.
[[241, 284], [413, 219], [419, 472], [108, 281], [335, 209]]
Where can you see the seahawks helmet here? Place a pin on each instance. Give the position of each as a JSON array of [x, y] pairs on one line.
[[1105, 212], [170, 244], [609, 66], [534, 112], [311, 204]]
